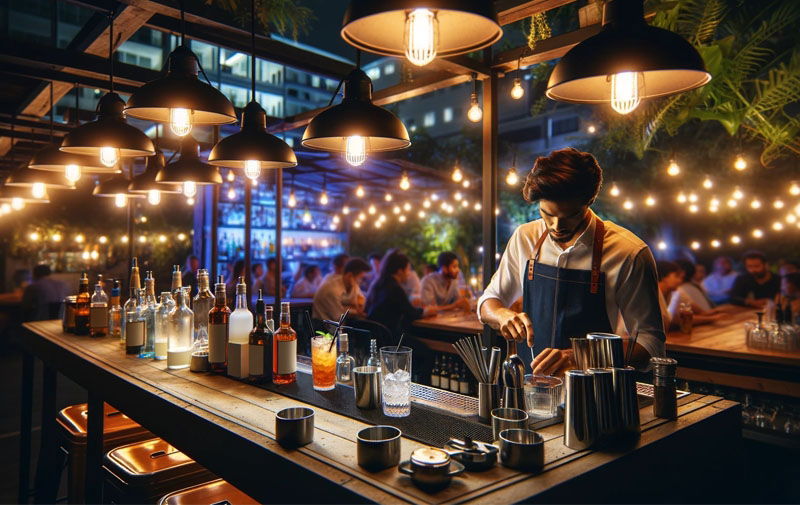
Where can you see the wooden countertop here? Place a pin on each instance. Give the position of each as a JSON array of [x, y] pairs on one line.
[[452, 321], [229, 427]]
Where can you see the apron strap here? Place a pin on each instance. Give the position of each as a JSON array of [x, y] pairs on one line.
[[536, 249], [597, 255]]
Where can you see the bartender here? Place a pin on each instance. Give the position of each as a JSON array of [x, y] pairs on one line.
[[576, 273]]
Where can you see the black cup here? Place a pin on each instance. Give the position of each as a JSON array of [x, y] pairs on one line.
[[294, 427], [378, 447]]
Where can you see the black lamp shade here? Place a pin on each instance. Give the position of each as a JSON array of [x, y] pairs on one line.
[[181, 88], [667, 63], [189, 167], [356, 115], [379, 26], [146, 181], [53, 158], [113, 186], [108, 130], [8, 194], [252, 142], [27, 177]]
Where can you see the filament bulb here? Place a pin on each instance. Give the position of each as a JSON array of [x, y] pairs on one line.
[[38, 190], [189, 189], [323, 198], [307, 216], [405, 182], [72, 173], [740, 163], [109, 156], [180, 121], [457, 175], [120, 200], [292, 199], [360, 191], [421, 36], [355, 150], [625, 92], [154, 197], [475, 113], [252, 169], [511, 177], [517, 91], [673, 169]]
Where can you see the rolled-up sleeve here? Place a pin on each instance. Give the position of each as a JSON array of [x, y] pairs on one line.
[[506, 283], [637, 299]]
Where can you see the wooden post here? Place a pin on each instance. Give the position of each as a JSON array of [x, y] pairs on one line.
[[25, 423], [47, 466], [489, 180]]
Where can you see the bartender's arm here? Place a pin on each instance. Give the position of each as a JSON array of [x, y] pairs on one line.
[[510, 324]]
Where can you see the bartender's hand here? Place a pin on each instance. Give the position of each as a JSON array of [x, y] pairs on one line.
[[514, 325], [553, 362]]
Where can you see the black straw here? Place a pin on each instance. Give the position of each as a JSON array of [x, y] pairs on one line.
[[308, 322]]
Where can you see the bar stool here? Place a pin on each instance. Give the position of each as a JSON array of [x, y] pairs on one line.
[[145, 471], [214, 492], [118, 429]]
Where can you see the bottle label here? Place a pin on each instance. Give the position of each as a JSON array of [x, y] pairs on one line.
[[463, 388], [454, 386], [217, 340], [435, 380], [98, 317], [287, 357], [256, 360], [134, 333]]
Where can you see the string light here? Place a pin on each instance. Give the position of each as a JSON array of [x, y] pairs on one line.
[[94, 255], [457, 196], [434, 197], [591, 129], [465, 203], [794, 189], [402, 218], [511, 177], [357, 224], [755, 203], [478, 206], [85, 255], [692, 197], [614, 191], [382, 218], [650, 201], [693, 208], [714, 202], [323, 198], [791, 219], [778, 204], [360, 191], [407, 206], [740, 163], [405, 182], [662, 246], [715, 243], [695, 245], [56, 237], [628, 205], [79, 238], [292, 202], [190, 201], [421, 214], [181, 236], [466, 183], [378, 224], [231, 177], [457, 175], [34, 236], [307, 216], [708, 183], [475, 113], [673, 169], [396, 209], [345, 210], [232, 194], [362, 216], [124, 239], [142, 239], [735, 239], [732, 203], [372, 209], [757, 233], [777, 226], [426, 203], [388, 197], [336, 219], [737, 193], [103, 239], [681, 197]]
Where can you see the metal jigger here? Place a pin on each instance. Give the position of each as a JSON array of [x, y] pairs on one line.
[[513, 378]]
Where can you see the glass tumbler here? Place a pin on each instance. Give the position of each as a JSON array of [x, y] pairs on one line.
[[542, 395], [396, 381]]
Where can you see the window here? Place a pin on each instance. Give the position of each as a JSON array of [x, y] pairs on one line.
[[429, 119], [563, 126], [447, 114], [388, 69], [207, 55], [268, 72], [239, 96], [235, 63], [315, 81], [273, 104], [374, 73]]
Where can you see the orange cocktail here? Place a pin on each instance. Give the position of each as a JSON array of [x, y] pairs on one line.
[[323, 363]]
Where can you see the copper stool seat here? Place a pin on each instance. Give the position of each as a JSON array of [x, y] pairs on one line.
[[214, 492]]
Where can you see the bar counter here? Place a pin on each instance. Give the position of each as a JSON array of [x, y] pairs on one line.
[[228, 427]]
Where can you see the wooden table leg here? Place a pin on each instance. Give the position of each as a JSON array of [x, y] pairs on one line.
[[25, 422], [94, 450], [47, 474]]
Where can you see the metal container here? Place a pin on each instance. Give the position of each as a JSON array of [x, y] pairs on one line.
[[580, 414], [605, 403], [607, 350], [627, 402], [488, 400], [522, 450], [216, 491], [367, 386], [475, 456], [378, 447], [507, 418], [514, 398], [431, 469], [294, 426], [582, 354]]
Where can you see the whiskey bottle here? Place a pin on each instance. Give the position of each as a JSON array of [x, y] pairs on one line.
[[284, 349], [218, 319], [115, 312], [201, 305], [241, 318], [261, 345], [435, 373], [454, 378], [179, 342], [463, 382], [98, 311], [444, 376], [162, 326], [82, 303], [134, 322], [130, 304], [149, 314]]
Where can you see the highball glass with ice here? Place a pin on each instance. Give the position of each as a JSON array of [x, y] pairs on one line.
[[323, 363], [396, 381]]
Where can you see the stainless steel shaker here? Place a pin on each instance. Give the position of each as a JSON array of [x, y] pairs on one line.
[[627, 402], [606, 349], [605, 403], [580, 417]]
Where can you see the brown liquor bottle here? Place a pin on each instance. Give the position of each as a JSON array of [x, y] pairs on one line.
[[261, 344], [218, 321], [82, 304], [284, 350]]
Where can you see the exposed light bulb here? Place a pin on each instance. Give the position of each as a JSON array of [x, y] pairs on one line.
[[778, 204], [124, 239], [662, 246], [120, 200], [715, 243], [777, 226], [56, 237], [292, 200], [38, 190], [154, 197], [252, 169], [625, 92], [17, 203], [189, 189], [740, 163], [614, 191], [650, 201], [231, 177], [695, 245], [466, 183], [336, 219], [345, 210], [738, 194], [180, 121], [372, 209], [714, 202], [355, 150], [421, 36], [475, 113], [692, 197], [732, 202], [142, 239], [673, 169], [34, 236], [360, 191], [402, 218], [426, 203], [109, 156], [231, 194], [628, 205], [396, 209], [190, 201], [681, 197], [85, 255], [406, 206], [357, 224], [736, 239], [5, 209], [323, 198], [457, 175], [591, 129], [405, 182], [511, 177], [362, 216], [517, 91], [458, 196], [388, 197], [755, 203], [382, 218], [72, 173], [307, 216], [478, 206], [103, 239], [794, 189], [757, 233], [708, 183], [421, 214], [378, 223], [693, 208]]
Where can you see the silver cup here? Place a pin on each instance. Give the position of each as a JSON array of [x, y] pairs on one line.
[[605, 403], [627, 402], [367, 386], [378, 447], [522, 450], [294, 426], [488, 400], [580, 414], [607, 349], [506, 418], [582, 353]]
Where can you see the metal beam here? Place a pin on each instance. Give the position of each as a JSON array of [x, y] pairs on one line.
[[36, 125], [63, 77]]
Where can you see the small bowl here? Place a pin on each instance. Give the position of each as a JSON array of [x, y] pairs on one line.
[[431, 469], [294, 426], [378, 447], [522, 450]]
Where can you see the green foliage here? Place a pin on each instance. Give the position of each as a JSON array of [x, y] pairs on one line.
[[282, 16]]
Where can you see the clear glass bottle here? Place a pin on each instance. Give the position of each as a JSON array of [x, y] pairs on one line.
[[162, 326], [261, 345], [284, 350], [218, 321], [373, 359], [344, 362], [115, 312], [130, 304], [98, 311], [149, 313], [82, 306], [181, 322], [201, 306], [241, 322], [135, 322]]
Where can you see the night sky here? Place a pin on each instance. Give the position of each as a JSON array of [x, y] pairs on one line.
[[324, 33]]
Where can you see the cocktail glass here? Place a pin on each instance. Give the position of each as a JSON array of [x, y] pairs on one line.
[[396, 381], [323, 363]]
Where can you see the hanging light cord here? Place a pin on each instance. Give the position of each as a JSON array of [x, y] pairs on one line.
[[77, 105], [111, 49], [51, 111], [183, 23], [253, 50], [339, 87]]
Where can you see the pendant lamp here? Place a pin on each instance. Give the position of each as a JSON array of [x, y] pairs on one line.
[[72, 165], [109, 136], [355, 126], [188, 170], [180, 98], [626, 62], [115, 187], [32, 178], [20, 195], [145, 183], [421, 30], [252, 148]]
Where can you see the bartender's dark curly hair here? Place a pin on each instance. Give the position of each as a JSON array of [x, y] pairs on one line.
[[567, 174]]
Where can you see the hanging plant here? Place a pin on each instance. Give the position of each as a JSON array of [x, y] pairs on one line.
[[539, 29]]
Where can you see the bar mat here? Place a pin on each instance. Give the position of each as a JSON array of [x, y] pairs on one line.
[[426, 425]]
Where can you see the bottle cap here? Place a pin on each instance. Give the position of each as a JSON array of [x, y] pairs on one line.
[[664, 367]]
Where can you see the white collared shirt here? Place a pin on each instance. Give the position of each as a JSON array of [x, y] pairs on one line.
[[631, 283]]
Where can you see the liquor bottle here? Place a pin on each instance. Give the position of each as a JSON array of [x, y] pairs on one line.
[[241, 318], [98, 311], [135, 322], [177, 282], [115, 312], [463, 382], [82, 306], [130, 304], [162, 326], [435, 373], [284, 350], [444, 376], [149, 314], [344, 362], [260, 346], [201, 305], [454, 378], [218, 319], [373, 360], [181, 323]]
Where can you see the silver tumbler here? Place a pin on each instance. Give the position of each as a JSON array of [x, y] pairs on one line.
[[580, 416], [367, 386], [607, 350], [488, 400], [627, 401], [605, 403]]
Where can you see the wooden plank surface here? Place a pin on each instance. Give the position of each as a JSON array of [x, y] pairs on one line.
[[453, 322], [209, 416]]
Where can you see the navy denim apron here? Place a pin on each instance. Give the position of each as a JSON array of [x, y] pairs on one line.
[[564, 303]]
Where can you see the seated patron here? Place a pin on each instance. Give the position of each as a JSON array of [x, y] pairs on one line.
[[337, 265], [690, 294], [267, 282], [756, 287], [337, 293], [669, 278], [374, 260], [699, 276], [790, 291], [718, 285], [441, 287], [308, 283]]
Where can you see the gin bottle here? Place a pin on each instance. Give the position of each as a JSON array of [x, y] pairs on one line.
[[162, 325], [181, 322]]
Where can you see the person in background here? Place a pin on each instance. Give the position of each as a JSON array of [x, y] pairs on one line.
[[267, 282], [308, 284], [374, 260], [413, 287], [237, 271], [20, 280], [441, 287], [41, 295], [428, 269], [790, 290], [669, 278], [337, 265], [788, 267], [337, 293], [700, 274], [256, 271], [387, 302], [719, 283], [756, 287], [190, 272], [690, 293]]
